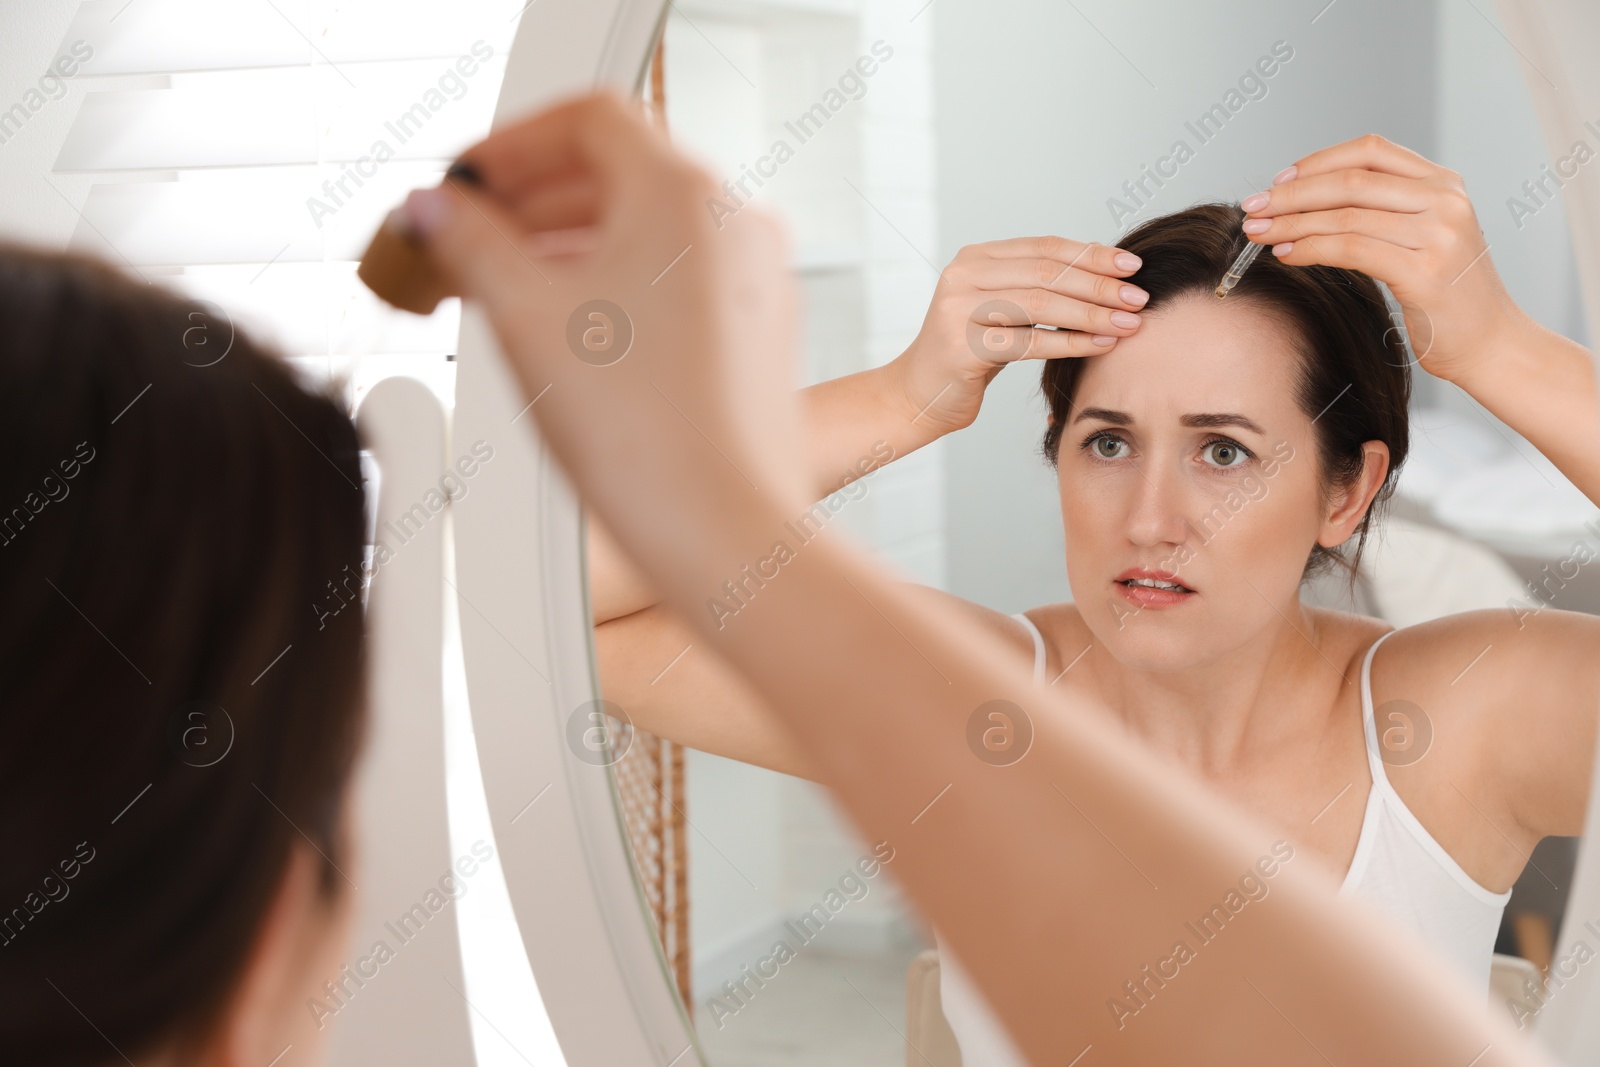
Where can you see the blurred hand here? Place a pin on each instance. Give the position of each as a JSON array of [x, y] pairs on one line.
[[1370, 205], [982, 313], [683, 377]]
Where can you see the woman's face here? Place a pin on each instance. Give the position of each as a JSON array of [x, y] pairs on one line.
[[1186, 456]]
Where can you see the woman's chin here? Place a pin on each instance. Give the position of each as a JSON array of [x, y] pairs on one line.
[[1158, 642]]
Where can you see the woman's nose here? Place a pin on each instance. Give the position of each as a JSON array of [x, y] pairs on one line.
[[1157, 511]]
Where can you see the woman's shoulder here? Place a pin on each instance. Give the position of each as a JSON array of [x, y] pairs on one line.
[[1501, 651], [1498, 700], [1345, 637], [1471, 676], [1064, 631], [1011, 630], [1059, 620]]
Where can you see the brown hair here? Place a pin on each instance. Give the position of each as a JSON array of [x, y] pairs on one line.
[[1355, 369], [168, 522]]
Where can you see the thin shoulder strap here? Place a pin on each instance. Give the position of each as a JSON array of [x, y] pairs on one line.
[[1038, 645], [1369, 716]]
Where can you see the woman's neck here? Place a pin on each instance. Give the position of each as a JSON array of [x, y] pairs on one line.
[[1246, 705]]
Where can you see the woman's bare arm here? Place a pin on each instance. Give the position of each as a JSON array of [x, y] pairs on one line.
[[855, 425], [1542, 385], [671, 682], [1510, 697]]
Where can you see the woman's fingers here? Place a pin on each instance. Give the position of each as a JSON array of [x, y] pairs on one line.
[[1007, 344], [1368, 205], [597, 141], [1090, 257], [1341, 188], [1019, 307], [1353, 251], [1406, 230], [1010, 285], [478, 244], [1370, 152], [560, 202], [994, 275]]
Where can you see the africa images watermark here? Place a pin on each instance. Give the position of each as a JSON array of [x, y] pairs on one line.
[[852, 85], [999, 732], [1252, 85], [52, 490], [53, 889], [402, 128], [805, 528], [1543, 594], [736, 996], [1525, 207], [52, 85], [1252, 887], [592, 738], [404, 928], [1562, 970]]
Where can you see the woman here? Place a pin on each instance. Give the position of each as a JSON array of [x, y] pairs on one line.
[[1207, 463], [179, 724], [181, 903]]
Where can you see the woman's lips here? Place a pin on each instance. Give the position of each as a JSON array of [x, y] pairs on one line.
[[1147, 597]]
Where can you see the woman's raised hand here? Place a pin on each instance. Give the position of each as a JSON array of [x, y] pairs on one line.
[[982, 315], [1370, 205], [587, 241]]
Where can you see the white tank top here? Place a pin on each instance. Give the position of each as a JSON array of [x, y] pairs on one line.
[[1398, 866]]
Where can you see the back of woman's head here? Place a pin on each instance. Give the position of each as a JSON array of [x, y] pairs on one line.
[[1354, 381], [177, 710]]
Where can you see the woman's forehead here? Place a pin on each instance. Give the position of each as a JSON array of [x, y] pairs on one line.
[[1197, 353]]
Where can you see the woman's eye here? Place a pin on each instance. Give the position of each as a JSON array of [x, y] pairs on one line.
[[1106, 446], [1226, 453]]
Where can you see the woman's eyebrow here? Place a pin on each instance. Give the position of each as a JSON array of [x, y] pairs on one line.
[[1204, 420]]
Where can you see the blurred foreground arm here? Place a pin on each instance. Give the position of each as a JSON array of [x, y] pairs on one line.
[[1060, 880]]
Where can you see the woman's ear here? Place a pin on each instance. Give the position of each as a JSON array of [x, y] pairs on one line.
[[1351, 504]]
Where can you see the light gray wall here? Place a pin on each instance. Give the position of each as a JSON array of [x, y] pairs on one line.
[[1043, 113], [1489, 133]]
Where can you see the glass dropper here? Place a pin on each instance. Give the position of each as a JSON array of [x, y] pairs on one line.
[[1240, 265]]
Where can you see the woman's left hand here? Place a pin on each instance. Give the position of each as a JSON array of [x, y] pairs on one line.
[[1370, 205]]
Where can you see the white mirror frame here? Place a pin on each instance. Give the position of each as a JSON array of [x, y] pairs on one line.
[[524, 610], [399, 789]]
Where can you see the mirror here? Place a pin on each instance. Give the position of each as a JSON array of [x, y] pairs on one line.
[[893, 134]]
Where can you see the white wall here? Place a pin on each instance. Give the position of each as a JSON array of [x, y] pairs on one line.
[[30, 210]]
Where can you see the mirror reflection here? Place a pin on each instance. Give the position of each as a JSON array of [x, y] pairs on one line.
[[1204, 528]]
